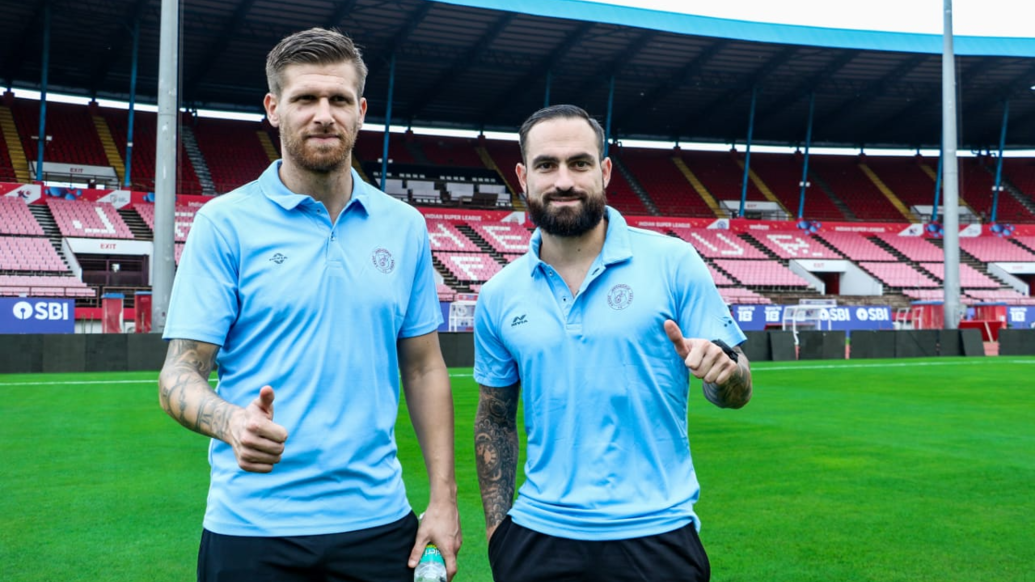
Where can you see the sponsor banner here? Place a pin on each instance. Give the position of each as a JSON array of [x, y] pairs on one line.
[[813, 226], [463, 215], [1020, 316], [29, 193], [655, 222], [29, 315], [841, 317]]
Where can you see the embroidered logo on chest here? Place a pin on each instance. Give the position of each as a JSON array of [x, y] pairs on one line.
[[619, 297], [383, 260]]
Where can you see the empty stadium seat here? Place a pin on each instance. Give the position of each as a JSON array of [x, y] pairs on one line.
[[18, 253], [970, 277], [718, 244], [79, 218], [43, 286], [898, 275], [504, 237], [445, 236], [989, 249], [756, 273], [181, 225], [469, 266], [914, 248], [232, 150], [856, 247], [15, 218], [793, 244]]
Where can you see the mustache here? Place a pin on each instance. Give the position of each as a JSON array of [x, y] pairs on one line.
[[565, 195]]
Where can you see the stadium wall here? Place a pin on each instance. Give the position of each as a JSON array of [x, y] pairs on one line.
[[52, 353]]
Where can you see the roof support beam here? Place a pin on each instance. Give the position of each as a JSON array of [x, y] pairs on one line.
[[26, 42], [118, 46], [875, 89], [230, 30], [458, 66], [535, 72], [806, 87], [606, 72]]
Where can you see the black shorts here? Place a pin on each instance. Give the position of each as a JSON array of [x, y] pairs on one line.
[[518, 554], [377, 554]]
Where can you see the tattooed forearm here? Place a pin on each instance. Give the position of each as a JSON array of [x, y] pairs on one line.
[[184, 391], [736, 392], [496, 450]]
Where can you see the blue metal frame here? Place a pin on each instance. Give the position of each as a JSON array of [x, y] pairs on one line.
[[610, 104], [43, 93], [388, 122], [747, 155], [805, 168], [132, 104], [937, 187], [999, 165]]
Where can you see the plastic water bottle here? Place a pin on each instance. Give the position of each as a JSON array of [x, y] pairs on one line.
[[431, 568]]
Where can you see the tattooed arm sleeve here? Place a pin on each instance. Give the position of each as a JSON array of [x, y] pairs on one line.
[[184, 391], [496, 449]]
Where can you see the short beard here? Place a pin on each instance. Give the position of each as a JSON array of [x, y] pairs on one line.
[[323, 160], [567, 221]]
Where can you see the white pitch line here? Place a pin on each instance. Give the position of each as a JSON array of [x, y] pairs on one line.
[[762, 368]]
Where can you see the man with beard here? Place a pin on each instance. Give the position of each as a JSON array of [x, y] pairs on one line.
[[313, 286], [601, 325]]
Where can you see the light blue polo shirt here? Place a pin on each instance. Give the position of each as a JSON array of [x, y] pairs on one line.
[[604, 392], [314, 310]]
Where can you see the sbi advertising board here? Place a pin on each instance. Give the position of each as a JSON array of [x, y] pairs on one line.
[[847, 318], [28, 315]]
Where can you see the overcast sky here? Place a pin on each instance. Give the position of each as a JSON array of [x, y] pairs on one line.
[[1012, 18]]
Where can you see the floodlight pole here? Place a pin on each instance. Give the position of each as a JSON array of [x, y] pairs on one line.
[[999, 165], [950, 166], [165, 162], [747, 155], [43, 92], [805, 167], [132, 103], [388, 121], [938, 186]]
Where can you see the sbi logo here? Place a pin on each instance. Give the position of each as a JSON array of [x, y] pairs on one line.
[[44, 310]]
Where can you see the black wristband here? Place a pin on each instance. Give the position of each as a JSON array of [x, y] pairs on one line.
[[730, 352]]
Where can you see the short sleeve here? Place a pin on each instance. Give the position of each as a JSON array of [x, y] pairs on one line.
[[702, 311], [423, 313], [494, 365], [204, 302]]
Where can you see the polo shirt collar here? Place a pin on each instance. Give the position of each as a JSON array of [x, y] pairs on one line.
[[275, 190], [616, 244]]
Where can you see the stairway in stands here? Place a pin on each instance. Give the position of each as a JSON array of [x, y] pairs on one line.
[[17, 153], [136, 224], [111, 151], [50, 228], [847, 212], [637, 188], [190, 145]]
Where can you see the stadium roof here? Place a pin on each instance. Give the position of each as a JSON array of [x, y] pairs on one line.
[[676, 77]]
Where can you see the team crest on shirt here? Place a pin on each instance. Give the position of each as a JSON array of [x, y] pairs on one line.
[[383, 260], [619, 297]]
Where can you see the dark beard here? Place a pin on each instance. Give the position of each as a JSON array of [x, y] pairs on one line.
[[567, 221], [323, 160]]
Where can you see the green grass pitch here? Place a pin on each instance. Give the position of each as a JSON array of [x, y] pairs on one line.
[[894, 470]]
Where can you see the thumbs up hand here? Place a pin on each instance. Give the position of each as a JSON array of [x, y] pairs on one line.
[[258, 442], [704, 359]]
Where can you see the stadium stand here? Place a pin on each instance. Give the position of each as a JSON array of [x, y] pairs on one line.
[[1003, 295], [732, 295], [15, 218], [976, 183], [469, 267], [445, 236], [181, 225], [668, 188], [794, 245], [856, 247], [74, 137], [721, 174], [43, 286], [453, 152], [1021, 173], [232, 150], [718, 244], [842, 175], [719, 277], [990, 249], [506, 155], [7, 173], [756, 273], [899, 275], [905, 176], [504, 237], [79, 218], [970, 278], [19, 253], [782, 174], [913, 248], [445, 292], [142, 174]]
